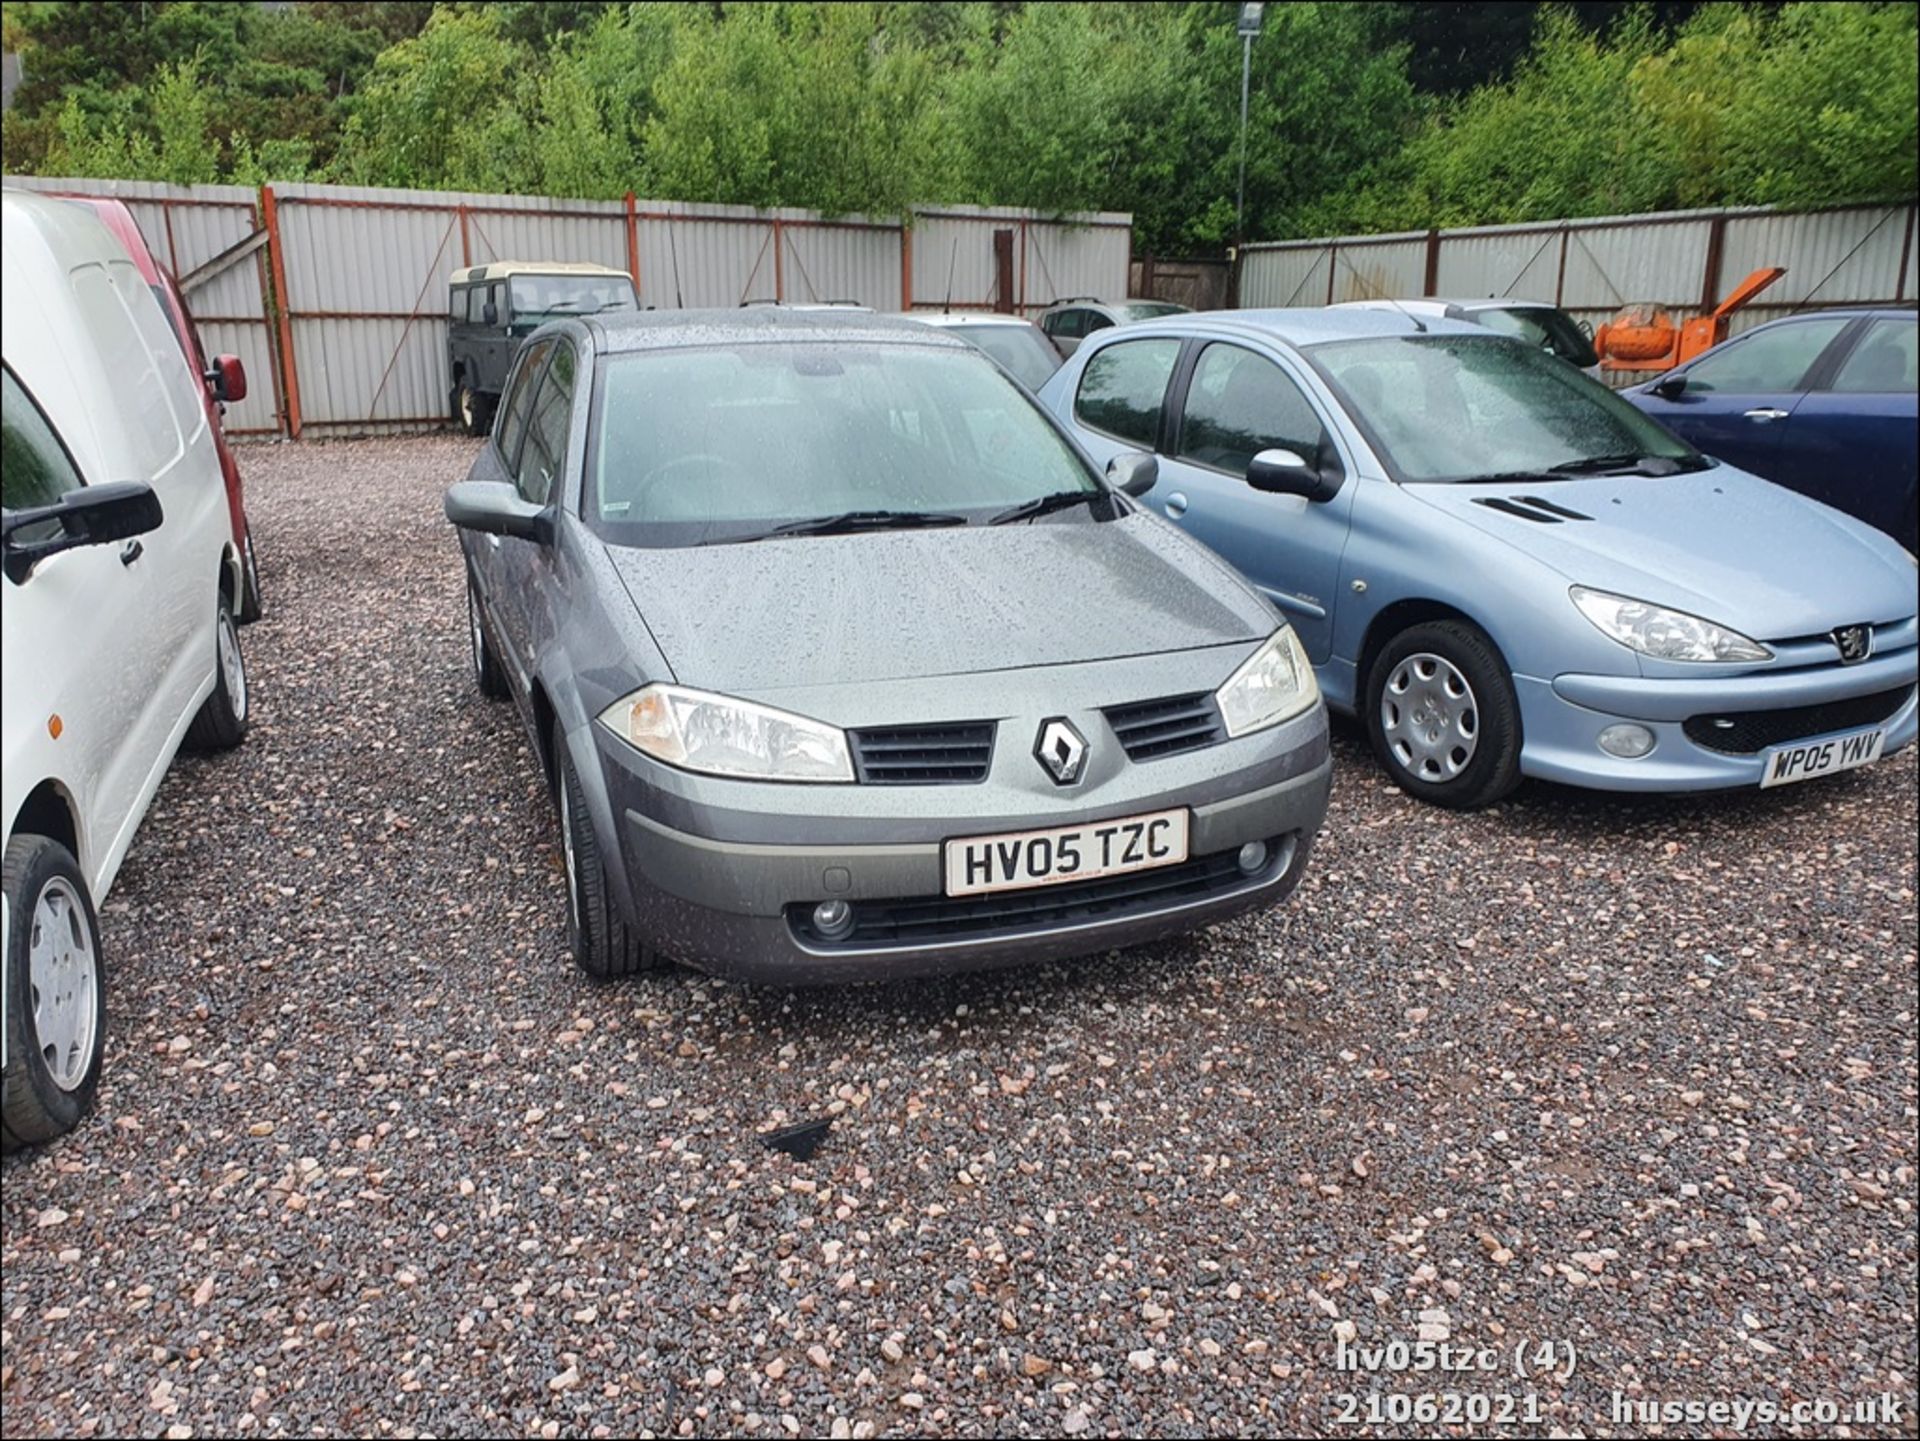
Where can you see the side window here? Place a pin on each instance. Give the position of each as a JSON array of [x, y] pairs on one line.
[[1774, 360], [1240, 404], [1122, 388], [512, 423], [1884, 362], [35, 469], [1070, 324], [1096, 321], [545, 452], [457, 298], [497, 298]]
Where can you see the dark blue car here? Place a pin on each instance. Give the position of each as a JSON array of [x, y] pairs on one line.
[[1822, 403]]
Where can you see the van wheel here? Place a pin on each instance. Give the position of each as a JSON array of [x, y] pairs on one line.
[[56, 1011], [603, 945], [1443, 717], [250, 608], [487, 675], [472, 408], [222, 722]]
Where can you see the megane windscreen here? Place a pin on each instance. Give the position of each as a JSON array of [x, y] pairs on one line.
[[736, 443]]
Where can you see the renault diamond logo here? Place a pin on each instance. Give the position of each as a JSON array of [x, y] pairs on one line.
[[1855, 642], [1061, 750]]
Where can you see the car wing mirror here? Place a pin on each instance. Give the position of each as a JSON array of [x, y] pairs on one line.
[[1286, 472], [1133, 471], [1670, 387], [91, 515], [496, 508], [228, 377], [490, 314]]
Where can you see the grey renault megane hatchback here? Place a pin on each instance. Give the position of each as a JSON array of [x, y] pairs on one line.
[[843, 662]]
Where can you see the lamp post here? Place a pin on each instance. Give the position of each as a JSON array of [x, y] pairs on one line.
[[1248, 27]]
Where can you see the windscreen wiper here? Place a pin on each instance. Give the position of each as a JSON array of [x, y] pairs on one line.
[[852, 520], [1044, 505], [1632, 460]]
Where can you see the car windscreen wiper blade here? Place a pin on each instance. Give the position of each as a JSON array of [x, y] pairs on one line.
[[851, 520], [1044, 505], [1631, 460]]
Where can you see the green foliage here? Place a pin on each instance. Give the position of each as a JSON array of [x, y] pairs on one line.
[[1360, 117], [1806, 105]]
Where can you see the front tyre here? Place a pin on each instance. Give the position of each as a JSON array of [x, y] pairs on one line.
[[472, 408], [56, 1001], [222, 722], [603, 945], [1443, 717]]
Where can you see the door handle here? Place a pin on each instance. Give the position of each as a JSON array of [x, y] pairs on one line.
[[1176, 505], [1766, 413], [494, 541], [131, 551]]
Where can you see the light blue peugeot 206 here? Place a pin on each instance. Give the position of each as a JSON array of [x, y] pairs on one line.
[[1501, 567]]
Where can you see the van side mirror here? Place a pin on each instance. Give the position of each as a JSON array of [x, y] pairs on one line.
[[495, 508], [489, 314], [1133, 472], [228, 377], [1284, 472], [1670, 387], [91, 515]]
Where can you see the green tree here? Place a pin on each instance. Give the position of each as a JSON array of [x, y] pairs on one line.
[[431, 112], [790, 104]]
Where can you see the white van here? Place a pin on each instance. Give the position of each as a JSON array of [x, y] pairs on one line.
[[117, 624]]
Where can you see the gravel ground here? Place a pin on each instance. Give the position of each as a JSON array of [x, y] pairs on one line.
[[1637, 1076]]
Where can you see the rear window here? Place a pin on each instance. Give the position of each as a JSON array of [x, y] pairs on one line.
[[1553, 330]]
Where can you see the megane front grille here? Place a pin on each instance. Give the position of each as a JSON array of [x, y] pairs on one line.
[[1149, 729], [950, 754]]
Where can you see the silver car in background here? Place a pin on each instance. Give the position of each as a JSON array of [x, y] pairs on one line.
[[844, 662], [1019, 346], [1068, 322]]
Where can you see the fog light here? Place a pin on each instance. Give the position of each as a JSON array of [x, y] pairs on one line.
[[1253, 857], [1628, 742], [833, 919]]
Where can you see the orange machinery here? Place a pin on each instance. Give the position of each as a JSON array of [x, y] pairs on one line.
[[1644, 337]]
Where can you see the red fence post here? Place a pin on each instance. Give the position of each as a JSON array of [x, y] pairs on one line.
[[633, 244], [906, 263], [779, 261], [282, 308], [466, 250], [1433, 263]]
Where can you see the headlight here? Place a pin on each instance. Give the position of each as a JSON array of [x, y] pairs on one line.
[[721, 736], [1667, 634], [1276, 683]]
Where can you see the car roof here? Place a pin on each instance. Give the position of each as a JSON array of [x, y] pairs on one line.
[[1300, 326], [1841, 312], [952, 319], [617, 332], [1434, 305], [500, 269]]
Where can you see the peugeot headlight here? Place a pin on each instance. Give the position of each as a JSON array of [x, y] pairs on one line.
[[1666, 634], [698, 731], [1274, 684]]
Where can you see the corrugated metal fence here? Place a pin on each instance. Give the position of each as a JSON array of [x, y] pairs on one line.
[[1684, 260], [357, 341]]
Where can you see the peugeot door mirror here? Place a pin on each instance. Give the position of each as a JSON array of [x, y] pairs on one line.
[[495, 508], [1284, 472], [228, 377], [1133, 471], [91, 515]]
